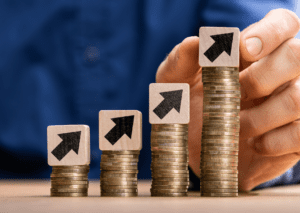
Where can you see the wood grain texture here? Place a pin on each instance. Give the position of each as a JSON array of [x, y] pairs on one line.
[[115, 126], [161, 110], [206, 42], [71, 158]]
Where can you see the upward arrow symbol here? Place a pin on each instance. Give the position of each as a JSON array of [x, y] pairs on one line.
[[172, 100], [123, 126], [70, 141], [223, 42]]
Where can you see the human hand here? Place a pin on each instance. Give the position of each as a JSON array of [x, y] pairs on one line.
[[270, 104]]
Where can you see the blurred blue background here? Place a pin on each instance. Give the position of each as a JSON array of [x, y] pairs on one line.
[[62, 61]]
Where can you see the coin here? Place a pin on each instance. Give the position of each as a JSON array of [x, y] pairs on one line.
[[219, 152], [68, 175], [163, 175], [121, 152], [118, 179], [70, 182], [118, 183], [180, 137], [68, 194], [118, 167], [82, 178], [122, 171], [106, 164], [162, 145], [78, 190], [168, 190], [203, 163], [115, 194], [219, 194], [168, 194], [170, 186], [118, 187], [118, 190], [120, 175], [168, 133]]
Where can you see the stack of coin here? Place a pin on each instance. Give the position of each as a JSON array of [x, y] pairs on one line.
[[69, 181], [169, 148], [119, 171], [220, 132]]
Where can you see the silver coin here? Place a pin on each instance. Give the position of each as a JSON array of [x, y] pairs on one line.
[[182, 137], [236, 100], [220, 132]]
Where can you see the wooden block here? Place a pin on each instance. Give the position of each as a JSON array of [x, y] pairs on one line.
[[120, 130], [219, 47], [169, 103], [68, 145]]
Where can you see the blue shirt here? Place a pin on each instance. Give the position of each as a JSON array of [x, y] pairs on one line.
[[62, 61]]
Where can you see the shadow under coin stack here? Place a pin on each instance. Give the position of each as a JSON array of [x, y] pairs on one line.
[[69, 181], [119, 171], [220, 132], [169, 148]]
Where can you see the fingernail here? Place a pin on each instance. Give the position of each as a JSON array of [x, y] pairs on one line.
[[254, 46]]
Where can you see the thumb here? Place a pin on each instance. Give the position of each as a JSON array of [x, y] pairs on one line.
[[261, 38]]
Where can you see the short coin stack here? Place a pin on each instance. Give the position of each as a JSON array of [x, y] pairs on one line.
[[119, 171], [220, 133], [169, 148], [69, 181]]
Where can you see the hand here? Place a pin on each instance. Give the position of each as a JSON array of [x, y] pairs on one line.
[[270, 105]]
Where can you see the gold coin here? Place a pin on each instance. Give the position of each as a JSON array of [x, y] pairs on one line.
[[221, 133], [104, 164], [219, 194], [168, 133], [208, 186], [68, 194], [118, 167], [168, 194], [120, 175], [180, 141], [170, 152], [87, 167], [116, 157], [162, 145], [68, 175], [170, 149], [119, 190], [219, 190], [69, 178], [222, 88], [170, 187], [170, 125], [218, 164], [181, 137], [219, 174], [168, 190], [118, 187], [221, 141], [175, 179], [118, 179], [132, 171], [78, 190], [178, 175], [118, 182], [115, 194], [69, 182], [220, 152]]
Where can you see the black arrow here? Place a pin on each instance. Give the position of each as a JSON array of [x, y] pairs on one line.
[[172, 100], [70, 141], [123, 126], [223, 42]]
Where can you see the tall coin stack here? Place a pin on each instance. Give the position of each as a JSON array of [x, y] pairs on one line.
[[69, 181], [219, 59], [220, 132], [169, 148], [119, 171]]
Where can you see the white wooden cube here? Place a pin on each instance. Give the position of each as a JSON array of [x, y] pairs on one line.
[[169, 103], [120, 130], [219, 47], [68, 145]]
